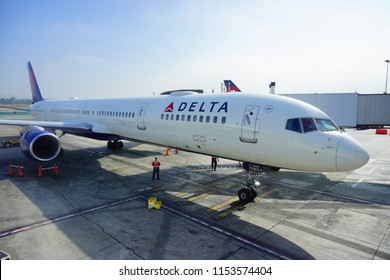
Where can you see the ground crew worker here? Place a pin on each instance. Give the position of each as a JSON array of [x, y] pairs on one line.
[[156, 168], [214, 160]]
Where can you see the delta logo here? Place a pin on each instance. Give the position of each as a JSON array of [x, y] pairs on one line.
[[169, 108], [211, 107]]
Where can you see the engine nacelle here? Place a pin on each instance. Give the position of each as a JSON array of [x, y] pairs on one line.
[[39, 144]]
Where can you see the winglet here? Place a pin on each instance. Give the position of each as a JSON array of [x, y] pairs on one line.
[[35, 91], [230, 86]]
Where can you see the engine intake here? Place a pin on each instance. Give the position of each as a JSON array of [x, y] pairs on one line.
[[39, 144]]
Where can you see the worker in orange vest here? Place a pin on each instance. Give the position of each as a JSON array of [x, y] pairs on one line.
[[156, 168]]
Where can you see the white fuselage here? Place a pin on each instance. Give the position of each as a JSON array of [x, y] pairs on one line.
[[244, 127]]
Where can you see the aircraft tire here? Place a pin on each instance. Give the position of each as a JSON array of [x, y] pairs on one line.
[[245, 195], [253, 193]]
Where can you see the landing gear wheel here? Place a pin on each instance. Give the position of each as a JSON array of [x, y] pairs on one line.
[[253, 193], [247, 195]]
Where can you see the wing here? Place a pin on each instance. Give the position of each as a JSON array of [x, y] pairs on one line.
[[71, 127]]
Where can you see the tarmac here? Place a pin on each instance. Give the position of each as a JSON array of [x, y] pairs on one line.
[[96, 207]]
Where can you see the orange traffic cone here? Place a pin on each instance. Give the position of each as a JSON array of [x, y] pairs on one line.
[[40, 171], [20, 173], [177, 151], [55, 170], [10, 170], [167, 152]]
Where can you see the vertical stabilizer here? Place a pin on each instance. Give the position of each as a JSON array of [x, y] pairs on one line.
[[35, 91], [272, 87], [230, 86]]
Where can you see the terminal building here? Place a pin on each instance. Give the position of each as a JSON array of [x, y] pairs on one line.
[[349, 109]]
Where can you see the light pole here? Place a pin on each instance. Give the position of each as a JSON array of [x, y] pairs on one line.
[[387, 73]]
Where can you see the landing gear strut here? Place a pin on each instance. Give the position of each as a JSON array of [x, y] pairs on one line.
[[115, 145], [248, 194]]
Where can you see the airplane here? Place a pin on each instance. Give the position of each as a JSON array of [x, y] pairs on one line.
[[261, 129], [230, 86]]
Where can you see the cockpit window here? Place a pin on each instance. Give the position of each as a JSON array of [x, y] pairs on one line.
[[308, 125], [294, 125], [326, 125]]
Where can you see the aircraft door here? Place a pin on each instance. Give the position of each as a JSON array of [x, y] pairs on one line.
[[141, 125], [250, 124]]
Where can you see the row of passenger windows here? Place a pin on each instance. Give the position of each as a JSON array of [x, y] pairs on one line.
[[116, 114], [308, 124], [193, 118], [98, 113]]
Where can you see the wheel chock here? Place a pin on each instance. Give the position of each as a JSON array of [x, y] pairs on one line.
[[154, 203]]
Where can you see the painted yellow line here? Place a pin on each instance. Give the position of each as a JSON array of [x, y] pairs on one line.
[[223, 204], [199, 196], [182, 194], [265, 194]]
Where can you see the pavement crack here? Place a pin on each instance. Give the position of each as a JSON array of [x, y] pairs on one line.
[[380, 244], [114, 238]]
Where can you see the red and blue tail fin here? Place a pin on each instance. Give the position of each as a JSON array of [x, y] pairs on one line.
[[230, 86], [35, 91]]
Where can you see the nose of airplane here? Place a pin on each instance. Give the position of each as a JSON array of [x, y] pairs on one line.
[[350, 155]]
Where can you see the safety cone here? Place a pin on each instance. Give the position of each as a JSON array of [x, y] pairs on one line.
[[40, 171], [177, 151], [10, 170], [20, 173], [55, 170], [167, 152]]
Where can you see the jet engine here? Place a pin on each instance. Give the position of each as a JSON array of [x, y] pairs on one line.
[[39, 144]]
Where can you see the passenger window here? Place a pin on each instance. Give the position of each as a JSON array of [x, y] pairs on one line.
[[166, 117], [294, 125], [194, 118], [183, 117], [177, 117], [215, 119], [223, 120], [162, 116], [208, 119], [308, 125], [188, 118], [201, 118], [172, 117]]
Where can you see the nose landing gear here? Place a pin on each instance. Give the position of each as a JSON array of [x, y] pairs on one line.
[[248, 194]]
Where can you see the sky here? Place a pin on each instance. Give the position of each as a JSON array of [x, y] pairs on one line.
[[98, 48]]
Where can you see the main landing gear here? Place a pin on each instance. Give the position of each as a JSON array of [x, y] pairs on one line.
[[114, 145], [248, 194]]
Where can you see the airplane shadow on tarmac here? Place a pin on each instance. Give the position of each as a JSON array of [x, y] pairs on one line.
[[97, 206]]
